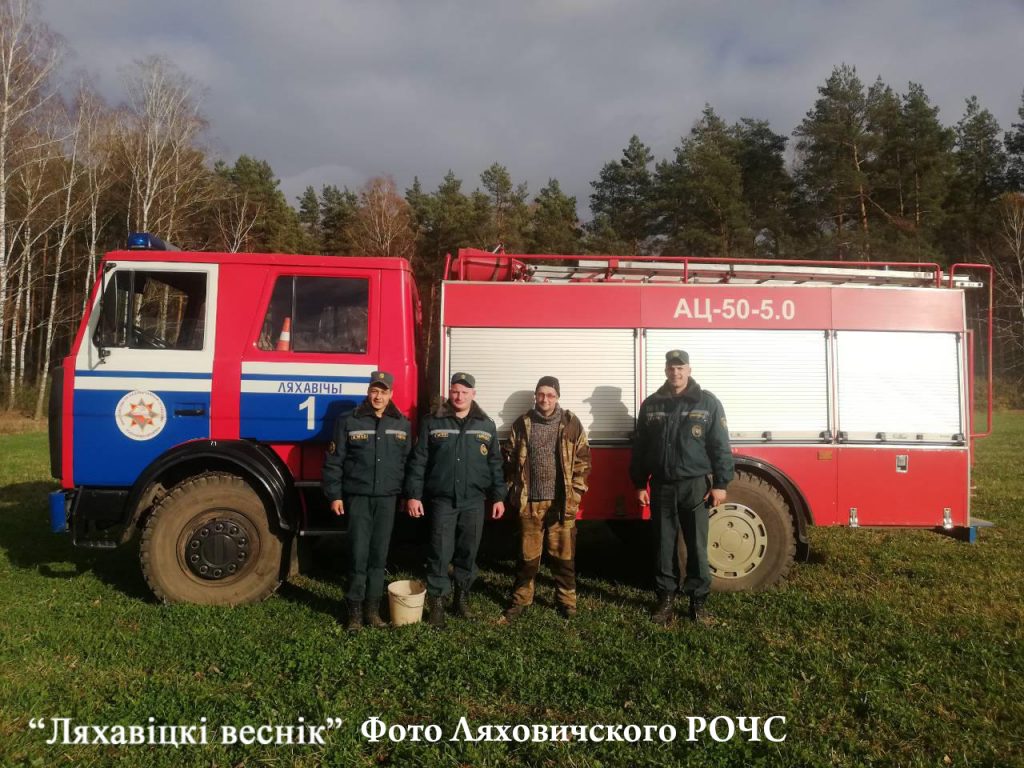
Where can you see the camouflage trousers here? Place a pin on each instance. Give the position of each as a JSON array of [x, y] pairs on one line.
[[540, 530]]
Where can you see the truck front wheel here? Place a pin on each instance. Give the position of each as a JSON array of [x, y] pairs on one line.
[[750, 538], [208, 541]]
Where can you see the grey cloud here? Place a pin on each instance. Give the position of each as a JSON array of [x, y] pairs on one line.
[[336, 92]]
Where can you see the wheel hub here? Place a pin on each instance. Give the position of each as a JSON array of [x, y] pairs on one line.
[[737, 540], [218, 549]]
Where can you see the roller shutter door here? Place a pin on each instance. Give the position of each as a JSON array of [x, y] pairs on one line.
[[768, 381], [899, 386], [595, 367]]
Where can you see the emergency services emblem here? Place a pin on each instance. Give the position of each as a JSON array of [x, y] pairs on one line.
[[140, 415], [696, 430], [332, 448], [483, 449]]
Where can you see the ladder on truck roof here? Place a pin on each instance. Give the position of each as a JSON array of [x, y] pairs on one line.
[[476, 265]]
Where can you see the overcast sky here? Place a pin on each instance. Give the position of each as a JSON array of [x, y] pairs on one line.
[[335, 92]]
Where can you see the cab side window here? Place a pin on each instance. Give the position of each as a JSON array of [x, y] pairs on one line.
[[319, 314], [143, 309]]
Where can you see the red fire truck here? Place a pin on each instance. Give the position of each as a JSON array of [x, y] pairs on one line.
[[201, 389]]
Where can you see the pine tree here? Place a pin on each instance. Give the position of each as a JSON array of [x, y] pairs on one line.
[[980, 178], [276, 227], [309, 216], [1014, 141], [886, 170], [699, 195], [928, 165], [507, 204], [768, 188], [621, 201], [337, 212], [834, 145], [554, 226]]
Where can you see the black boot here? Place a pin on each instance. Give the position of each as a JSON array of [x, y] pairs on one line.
[[461, 604], [435, 611], [355, 615], [696, 607], [662, 613], [372, 614]]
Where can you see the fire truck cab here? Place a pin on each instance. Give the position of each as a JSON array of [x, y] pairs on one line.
[[201, 389]]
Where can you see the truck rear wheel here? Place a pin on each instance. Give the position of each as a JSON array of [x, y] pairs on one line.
[[751, 545], [208, 541]]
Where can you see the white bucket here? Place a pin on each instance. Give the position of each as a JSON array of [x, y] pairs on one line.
[[405, 598]]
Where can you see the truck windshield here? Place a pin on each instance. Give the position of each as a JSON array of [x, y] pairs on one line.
[[143, 309]]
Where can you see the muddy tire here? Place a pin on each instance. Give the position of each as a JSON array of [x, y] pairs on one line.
[[751, 545], [208, 541]]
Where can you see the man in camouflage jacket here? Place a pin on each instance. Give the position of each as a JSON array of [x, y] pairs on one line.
[[548, 463]]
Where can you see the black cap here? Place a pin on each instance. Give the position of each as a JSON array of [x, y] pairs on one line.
[[382, 379], [677, 357], [464, 379], [549, 381]]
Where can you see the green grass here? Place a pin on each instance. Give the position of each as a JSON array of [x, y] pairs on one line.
[[888, 648]]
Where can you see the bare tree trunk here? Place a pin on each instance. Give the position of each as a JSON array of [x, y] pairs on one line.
[[28, 55], [27, 328], [90, 267], [67, 213], [12, 393]]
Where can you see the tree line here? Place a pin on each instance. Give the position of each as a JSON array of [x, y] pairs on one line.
[[869, 174]]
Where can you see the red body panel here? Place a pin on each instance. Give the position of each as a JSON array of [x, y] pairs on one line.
[[935, 480], [885, 309], [831, 479], [628, 305], [813, 470], [611, 495], [238, 286], [67, 424]]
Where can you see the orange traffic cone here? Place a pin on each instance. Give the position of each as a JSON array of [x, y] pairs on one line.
[[284, 341]]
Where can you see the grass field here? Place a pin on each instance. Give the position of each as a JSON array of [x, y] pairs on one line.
[[888, 649]]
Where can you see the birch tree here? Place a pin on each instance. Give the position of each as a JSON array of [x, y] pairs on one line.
[[97, 128], [29, 53], [235, 216], [32, 191], [383, 222], [1009, 282], [67, 221], [159, 129]]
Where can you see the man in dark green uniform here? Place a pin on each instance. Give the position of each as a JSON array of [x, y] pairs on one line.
[[363, 475], [681, 439], [455, 466]]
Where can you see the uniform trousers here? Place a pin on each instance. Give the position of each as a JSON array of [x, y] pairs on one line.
[[679, 507], [455, 531], [370, 520]]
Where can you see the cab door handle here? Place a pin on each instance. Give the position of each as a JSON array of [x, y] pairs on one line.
[[189, 411]]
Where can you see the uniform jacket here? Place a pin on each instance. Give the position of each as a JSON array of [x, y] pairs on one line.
[[458, 461], [368, 456], [573, 462], [681, 436]]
